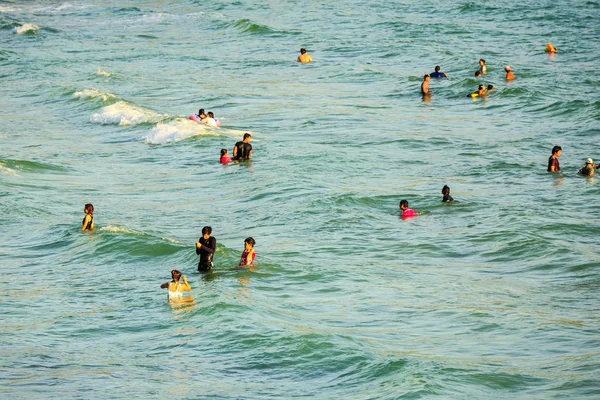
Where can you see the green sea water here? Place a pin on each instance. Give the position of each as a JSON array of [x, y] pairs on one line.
[[493, 297]]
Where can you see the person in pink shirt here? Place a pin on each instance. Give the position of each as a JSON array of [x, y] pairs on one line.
[[224, 157], [248, 255], [407, 212]]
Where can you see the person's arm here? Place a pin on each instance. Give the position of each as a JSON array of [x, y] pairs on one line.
[[445, 75], [164, 285], [552, 166], [250, 154], [234, 151], [212, 246], [186, 286]]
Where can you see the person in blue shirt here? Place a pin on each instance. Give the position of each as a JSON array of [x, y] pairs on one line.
[[437, 73]]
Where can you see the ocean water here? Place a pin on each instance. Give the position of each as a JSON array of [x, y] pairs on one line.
[[493, 297]]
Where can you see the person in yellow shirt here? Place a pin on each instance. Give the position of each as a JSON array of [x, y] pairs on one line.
[[304, 57]]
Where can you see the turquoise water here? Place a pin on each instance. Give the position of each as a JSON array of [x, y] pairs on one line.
[[493, 297]]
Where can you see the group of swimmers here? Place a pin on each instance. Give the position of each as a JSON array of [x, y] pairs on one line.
[[242, 151], [406, 212], [588, 169], [206, 118]]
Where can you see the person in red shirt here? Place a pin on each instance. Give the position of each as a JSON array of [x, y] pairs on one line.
[[224, 157], [248, 255], [553, 164], [407, 212]]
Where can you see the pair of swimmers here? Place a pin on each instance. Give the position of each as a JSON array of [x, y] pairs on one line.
[[407, 212], [207, 245], [206, 118], [242, 150]]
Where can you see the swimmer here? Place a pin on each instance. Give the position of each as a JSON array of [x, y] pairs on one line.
[[553, 164], [205, 248], [243, 149], [589, 168], [198, 117], [224, 158], [437, 73], [304, 57], [425, 85], [446, 193], [550, 49], [407, 212], [210, 120], [175, 288], [248, 255], [482, 66], [88, 221], [478, 74], [509, 75], [481, 91]]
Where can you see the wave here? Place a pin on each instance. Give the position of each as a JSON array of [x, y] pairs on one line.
[[247, 26], [125, 114], [26, 28], [101, 72], [93, 94], [8, 166], [177, 130]]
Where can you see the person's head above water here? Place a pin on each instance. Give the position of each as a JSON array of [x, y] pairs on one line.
[[446, 190], [247, 137], [477, 74], [302, 50], [507, 68], [437, 68], [426, 77], [210, 114], [175, 274], [556, 150], [88, 208], [250, 242], [201, 111], [223, 152], [403, 204], [207, 230], [589, 161], [481, 61]]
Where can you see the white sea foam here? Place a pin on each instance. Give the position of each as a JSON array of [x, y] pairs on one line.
[[7, 171], [176, 130], [92, 94], [26, 28], [101, 72], [118, 229], [125, 114]]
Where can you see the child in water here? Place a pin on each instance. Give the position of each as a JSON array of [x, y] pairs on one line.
[[88, 221], [175, 288], [224, 158], [446, 193], [407, 212], [248, 255]]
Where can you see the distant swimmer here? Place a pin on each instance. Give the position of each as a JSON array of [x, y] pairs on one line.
[[481, 91], [446, 193], [509, 75], [437, 73], [425, 85], [589, 168], [550, 49], [211, 120], [243, 149], [88, 221], [198, 117], [407, 212], [248, 255], [205, 248], [224, 157], [478, 74], [304, 57], [175, 287], [553, 164], [482, 66]]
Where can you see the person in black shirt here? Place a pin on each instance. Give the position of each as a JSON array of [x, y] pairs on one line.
[[446, 193], [243, 149], [205, 248]]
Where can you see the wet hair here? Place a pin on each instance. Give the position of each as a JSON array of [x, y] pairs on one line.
[[201, 111], [247, 135], [404, 203], [302, 50], [437, 68], [481, 87], [490, 87], [446, 190], [207, 229], [477, 74], [481, 59], [210, 114], [89, 208], [250, 241], [556, 149], [223, 152], [175, 274], [425, 77]]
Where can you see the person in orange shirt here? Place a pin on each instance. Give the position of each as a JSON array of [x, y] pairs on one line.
[[509, 75], [304, 57]]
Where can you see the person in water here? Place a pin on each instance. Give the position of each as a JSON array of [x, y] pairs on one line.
[[478, 74], [210, 120], [481, 91], [553, 164], [425, 85], [88, 221], [589, 168], [509, 75], [482, 66], [248, 255], [304, 57], [243, 149], [407, 212], [205, 248], [175, 287], [446, 193], [437, 73], [224, 157]]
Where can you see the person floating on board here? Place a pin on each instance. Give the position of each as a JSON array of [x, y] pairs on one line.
[[553, 164], [205, 248], [304, 57], [437, 73], [211, 120], [88, 221], [243, 149], [175, 287], [198, 117]]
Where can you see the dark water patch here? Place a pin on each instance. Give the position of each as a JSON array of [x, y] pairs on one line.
[[147, 36], [125, 10]]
